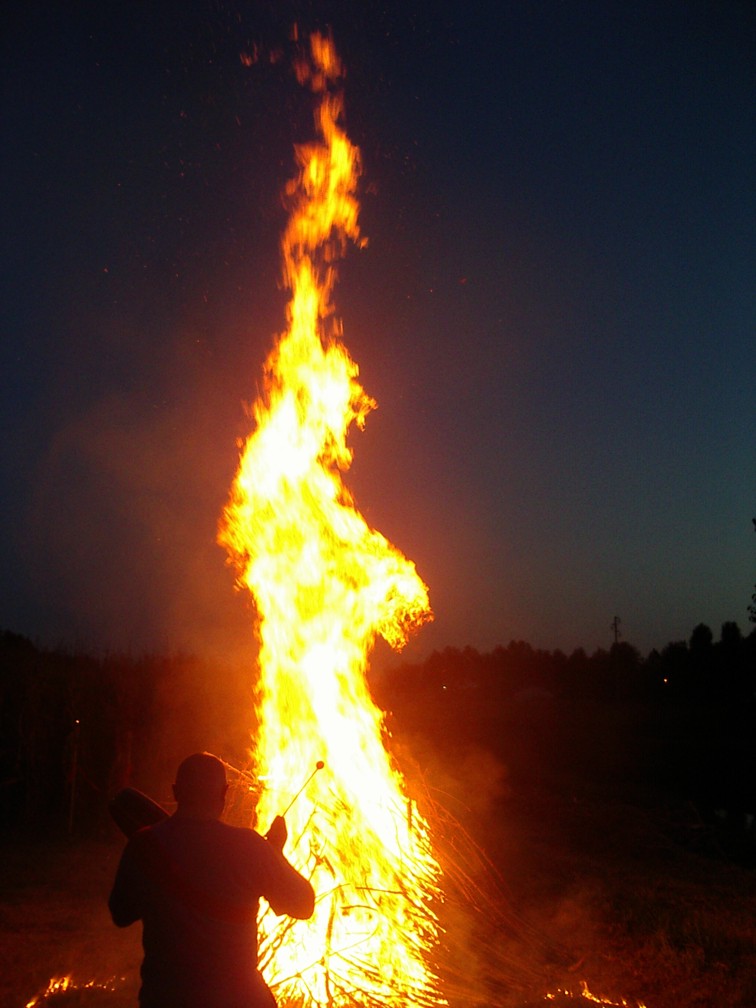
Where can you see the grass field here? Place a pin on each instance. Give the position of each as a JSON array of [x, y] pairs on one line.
[[622, 903]]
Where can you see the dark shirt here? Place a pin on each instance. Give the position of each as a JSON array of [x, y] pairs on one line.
[[195, 885]]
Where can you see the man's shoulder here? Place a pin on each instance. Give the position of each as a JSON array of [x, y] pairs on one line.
[[238, 838], [240, 833], [178, 833], [141, 838], [243, 850]]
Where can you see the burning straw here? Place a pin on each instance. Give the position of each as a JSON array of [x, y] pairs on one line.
[[486, 953], [397, 882], [325, 586]]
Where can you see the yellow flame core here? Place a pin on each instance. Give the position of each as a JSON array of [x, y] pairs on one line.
[[325, 585]]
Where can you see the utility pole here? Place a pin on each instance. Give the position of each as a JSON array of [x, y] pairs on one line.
[[75, 738], [616, 628]]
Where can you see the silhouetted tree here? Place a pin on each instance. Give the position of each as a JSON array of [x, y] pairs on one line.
[[701, 641], [624, 670], [702, 666], [752, 606]]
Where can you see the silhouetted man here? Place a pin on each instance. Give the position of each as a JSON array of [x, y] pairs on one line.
[[195, 883]]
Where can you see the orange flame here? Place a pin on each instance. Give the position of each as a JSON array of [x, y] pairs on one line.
[[59, 985], [325, 586], [586, 995]]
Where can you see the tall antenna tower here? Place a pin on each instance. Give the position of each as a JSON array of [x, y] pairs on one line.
[[616, 628]]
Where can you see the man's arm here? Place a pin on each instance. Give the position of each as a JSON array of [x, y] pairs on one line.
[[289, 892], [124, 901]]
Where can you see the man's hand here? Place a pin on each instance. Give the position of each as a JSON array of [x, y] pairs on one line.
[[277, 833]]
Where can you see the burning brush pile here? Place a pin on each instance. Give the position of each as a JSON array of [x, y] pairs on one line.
[[409, 913], [325, 585]]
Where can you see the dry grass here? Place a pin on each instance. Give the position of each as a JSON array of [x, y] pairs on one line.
[[54, 919], [641, 904], [654, 907]]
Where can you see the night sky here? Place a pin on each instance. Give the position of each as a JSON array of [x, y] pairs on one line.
[[554, 311]]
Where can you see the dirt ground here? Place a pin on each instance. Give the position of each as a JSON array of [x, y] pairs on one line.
[[54, 919], [594, 898], [651, 905]]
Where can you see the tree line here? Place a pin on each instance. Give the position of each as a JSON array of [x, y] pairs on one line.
[[679, 723], [75, 727]]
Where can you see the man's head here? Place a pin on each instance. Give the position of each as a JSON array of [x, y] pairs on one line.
[[200, 788]]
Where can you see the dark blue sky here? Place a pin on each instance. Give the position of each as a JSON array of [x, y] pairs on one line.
[[555, 310]]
